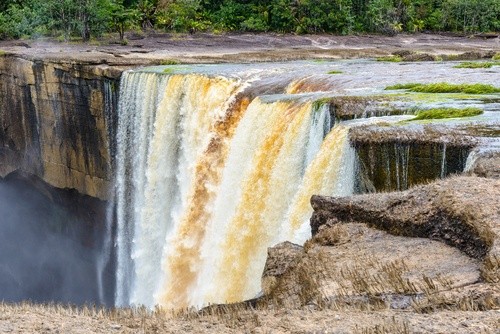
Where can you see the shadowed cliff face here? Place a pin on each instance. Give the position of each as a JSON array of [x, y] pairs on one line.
[[51, 250], [398, 166], [56, 122]]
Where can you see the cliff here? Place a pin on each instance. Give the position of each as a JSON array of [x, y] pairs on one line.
[[56, 121], [433, 247]]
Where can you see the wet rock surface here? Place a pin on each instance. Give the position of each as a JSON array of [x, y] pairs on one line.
[[56, 123], [196, 48]]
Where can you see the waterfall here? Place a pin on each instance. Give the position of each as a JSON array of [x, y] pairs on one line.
[[398, 166], [209, 177]]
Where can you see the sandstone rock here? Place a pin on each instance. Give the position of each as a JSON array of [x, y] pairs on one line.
[[55, 123], [486, 164], [460, 211], [279, 259], [420, 57], [370, 270], [433, 247]]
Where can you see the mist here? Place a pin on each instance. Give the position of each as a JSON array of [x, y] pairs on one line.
[[47, 252]]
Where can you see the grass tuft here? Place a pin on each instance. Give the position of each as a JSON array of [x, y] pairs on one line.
[[496, 56], [439, 113], [393, 59], [335, 72], [403, 86], [471, 64], [169, 62], [443, 87]]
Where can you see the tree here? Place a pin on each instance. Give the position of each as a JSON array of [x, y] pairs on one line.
[[122, 18]]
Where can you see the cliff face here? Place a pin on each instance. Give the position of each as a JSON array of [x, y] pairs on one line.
[[56, 119], [432, 247]]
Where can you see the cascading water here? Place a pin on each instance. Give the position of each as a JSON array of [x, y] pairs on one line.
[[217, 163], [208, 179]]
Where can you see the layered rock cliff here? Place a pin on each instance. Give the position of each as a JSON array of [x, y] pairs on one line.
[[56, 122], [429, 248]]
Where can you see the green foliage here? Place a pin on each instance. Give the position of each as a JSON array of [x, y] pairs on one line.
[[439, 113], [496, 56], [471, 15], [169, 62], [121, 18], [22, 20], [335, 72], [91, 18], [402, 86], [183, 16], [443, 87], [472, 64]]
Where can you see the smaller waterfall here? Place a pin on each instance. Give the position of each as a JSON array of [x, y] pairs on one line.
[[443, 162], [398, 166], [472, 159], [104, 258], [320, 126]]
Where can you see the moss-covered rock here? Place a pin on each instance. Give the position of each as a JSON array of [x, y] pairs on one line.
[[444, 87], [439, 113]]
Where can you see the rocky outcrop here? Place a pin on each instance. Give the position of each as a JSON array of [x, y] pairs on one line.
[[434, 247], [391, 166], [485, 164], [460, 211], [56, 121]]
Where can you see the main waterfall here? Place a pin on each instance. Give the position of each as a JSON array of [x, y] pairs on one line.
[[210, 174]]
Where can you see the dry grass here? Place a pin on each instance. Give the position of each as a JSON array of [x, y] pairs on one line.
[[390, 326]]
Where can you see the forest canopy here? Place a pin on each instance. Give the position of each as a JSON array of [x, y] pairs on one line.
[[84, 19]]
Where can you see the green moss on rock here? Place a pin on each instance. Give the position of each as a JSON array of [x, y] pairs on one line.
[[439, 113], [169, 62], [444, 87], [392, 59], [472, 65]]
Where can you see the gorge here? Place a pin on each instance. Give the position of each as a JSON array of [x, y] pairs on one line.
[[183, 175]]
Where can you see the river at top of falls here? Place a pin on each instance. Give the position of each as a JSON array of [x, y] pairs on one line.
[[215, 163]]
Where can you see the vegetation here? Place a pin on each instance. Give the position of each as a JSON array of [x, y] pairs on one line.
[[335, 72], [439, 113], [472, 64], [87, 18], [170, 70], [393, 59], [169, 62], [443, 87]]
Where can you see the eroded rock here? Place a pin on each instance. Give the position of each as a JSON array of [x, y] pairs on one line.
[[56, 122], [433, 247], [460, 211]]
